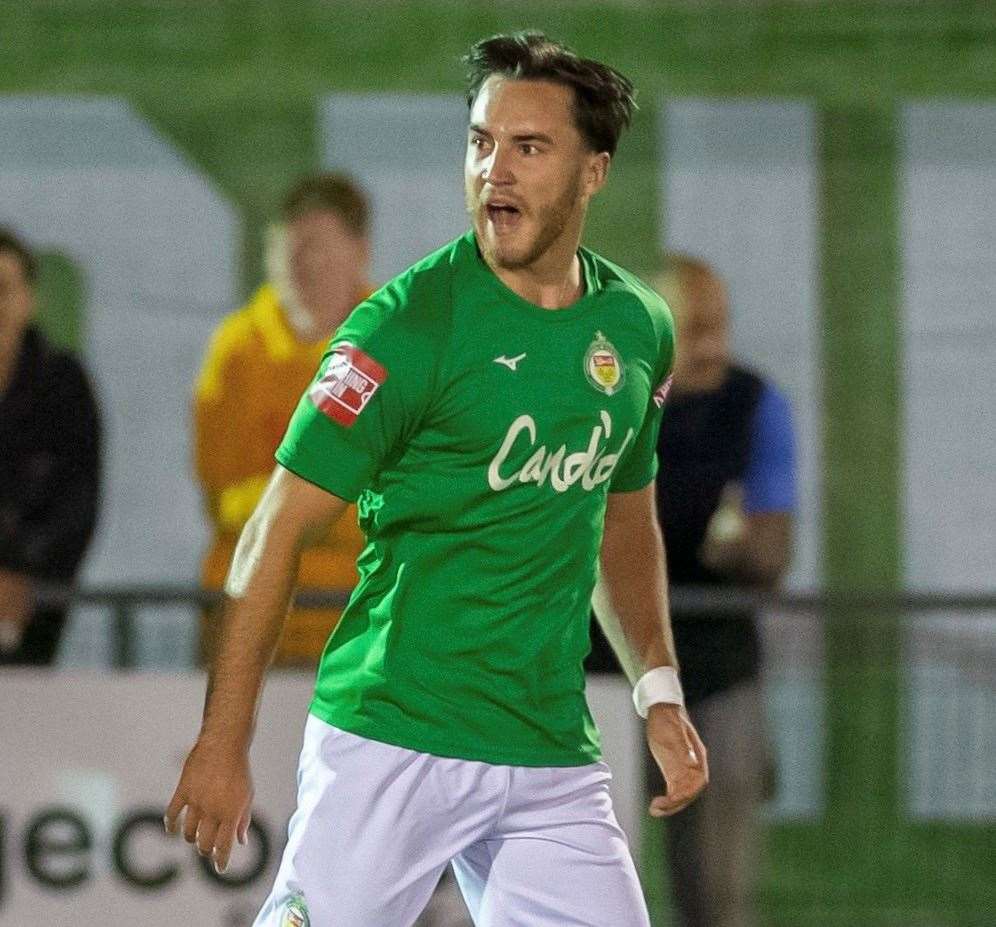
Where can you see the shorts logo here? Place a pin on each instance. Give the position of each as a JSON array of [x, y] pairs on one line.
[[660, 394], [295, 913], [348, 384], [602, 365]]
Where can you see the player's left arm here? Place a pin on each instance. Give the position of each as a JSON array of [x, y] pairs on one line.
[[631, 605]]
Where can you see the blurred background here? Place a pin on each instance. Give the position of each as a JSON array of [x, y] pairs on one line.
[[835, 162]]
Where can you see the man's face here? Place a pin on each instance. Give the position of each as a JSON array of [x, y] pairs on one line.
[[320, 267], [703, 349], [528, 174], [17, 299]]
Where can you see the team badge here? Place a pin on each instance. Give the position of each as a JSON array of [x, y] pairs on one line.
[[348, 384], [602, 365], [295, 913]]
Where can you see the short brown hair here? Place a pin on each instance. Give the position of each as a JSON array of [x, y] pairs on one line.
[[603, 97], [329, 192], [12, 244]]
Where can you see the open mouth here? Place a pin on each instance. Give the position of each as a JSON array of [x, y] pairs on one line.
[[502, 215]]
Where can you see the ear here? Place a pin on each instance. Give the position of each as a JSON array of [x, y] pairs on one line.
[[597, 172]]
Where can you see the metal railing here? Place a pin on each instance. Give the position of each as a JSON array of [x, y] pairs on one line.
[[877, 608]]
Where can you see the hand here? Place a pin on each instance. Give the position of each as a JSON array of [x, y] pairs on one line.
[[723, 546], [216, 790], [16, 601], [681, 756]]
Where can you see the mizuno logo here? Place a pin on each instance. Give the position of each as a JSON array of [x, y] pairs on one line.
[[509, 362]]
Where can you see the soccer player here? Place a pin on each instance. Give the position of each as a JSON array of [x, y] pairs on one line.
[[491, 409]]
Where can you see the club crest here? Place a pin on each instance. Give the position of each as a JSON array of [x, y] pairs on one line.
[[603, 366]]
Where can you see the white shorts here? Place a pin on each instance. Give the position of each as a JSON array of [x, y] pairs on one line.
[[376, 825]]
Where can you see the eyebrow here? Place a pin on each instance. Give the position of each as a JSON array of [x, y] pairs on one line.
[[524, 137]]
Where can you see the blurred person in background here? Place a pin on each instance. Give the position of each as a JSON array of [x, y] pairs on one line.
[[258, 363], [49, 466], [449, 721], [726, 496]]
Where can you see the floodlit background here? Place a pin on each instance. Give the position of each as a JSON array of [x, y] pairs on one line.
[[836, 162]]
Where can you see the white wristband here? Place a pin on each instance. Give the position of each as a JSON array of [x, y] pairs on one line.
[[658, 685]]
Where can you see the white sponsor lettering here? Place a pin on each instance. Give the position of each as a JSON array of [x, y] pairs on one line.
[[345, 384], [591, 466], [351, 380]]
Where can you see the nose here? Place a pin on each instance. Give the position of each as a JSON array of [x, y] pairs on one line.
[[496, 170]]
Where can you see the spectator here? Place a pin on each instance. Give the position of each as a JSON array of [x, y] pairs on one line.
[[49, 466], [726, 496], [725, 499], [259, 362]]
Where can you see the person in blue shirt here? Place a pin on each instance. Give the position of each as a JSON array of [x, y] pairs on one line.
[[726, 495]]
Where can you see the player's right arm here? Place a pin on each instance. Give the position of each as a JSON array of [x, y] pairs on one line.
[[214, 794]]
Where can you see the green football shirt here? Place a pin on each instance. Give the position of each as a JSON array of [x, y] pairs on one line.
[[480, 436]]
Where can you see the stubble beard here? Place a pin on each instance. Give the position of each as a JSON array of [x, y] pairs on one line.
[[553, 220]]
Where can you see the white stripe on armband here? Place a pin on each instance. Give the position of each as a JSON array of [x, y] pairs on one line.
[[656, 686]]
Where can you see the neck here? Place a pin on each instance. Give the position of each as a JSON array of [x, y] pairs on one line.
[[301, 323], [553, 281], [681, 387]]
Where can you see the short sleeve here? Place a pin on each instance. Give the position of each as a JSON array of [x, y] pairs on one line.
[[769, 481], [639, 467], [372, 388]]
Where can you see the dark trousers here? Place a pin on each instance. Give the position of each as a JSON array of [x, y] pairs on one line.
[[713, 845]]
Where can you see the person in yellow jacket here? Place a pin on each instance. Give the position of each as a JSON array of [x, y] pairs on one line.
[[258, 363]]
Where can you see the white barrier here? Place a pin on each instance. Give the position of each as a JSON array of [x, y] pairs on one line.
[[87, 763]]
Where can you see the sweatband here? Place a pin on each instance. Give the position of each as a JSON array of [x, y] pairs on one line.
[[656, 686]]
